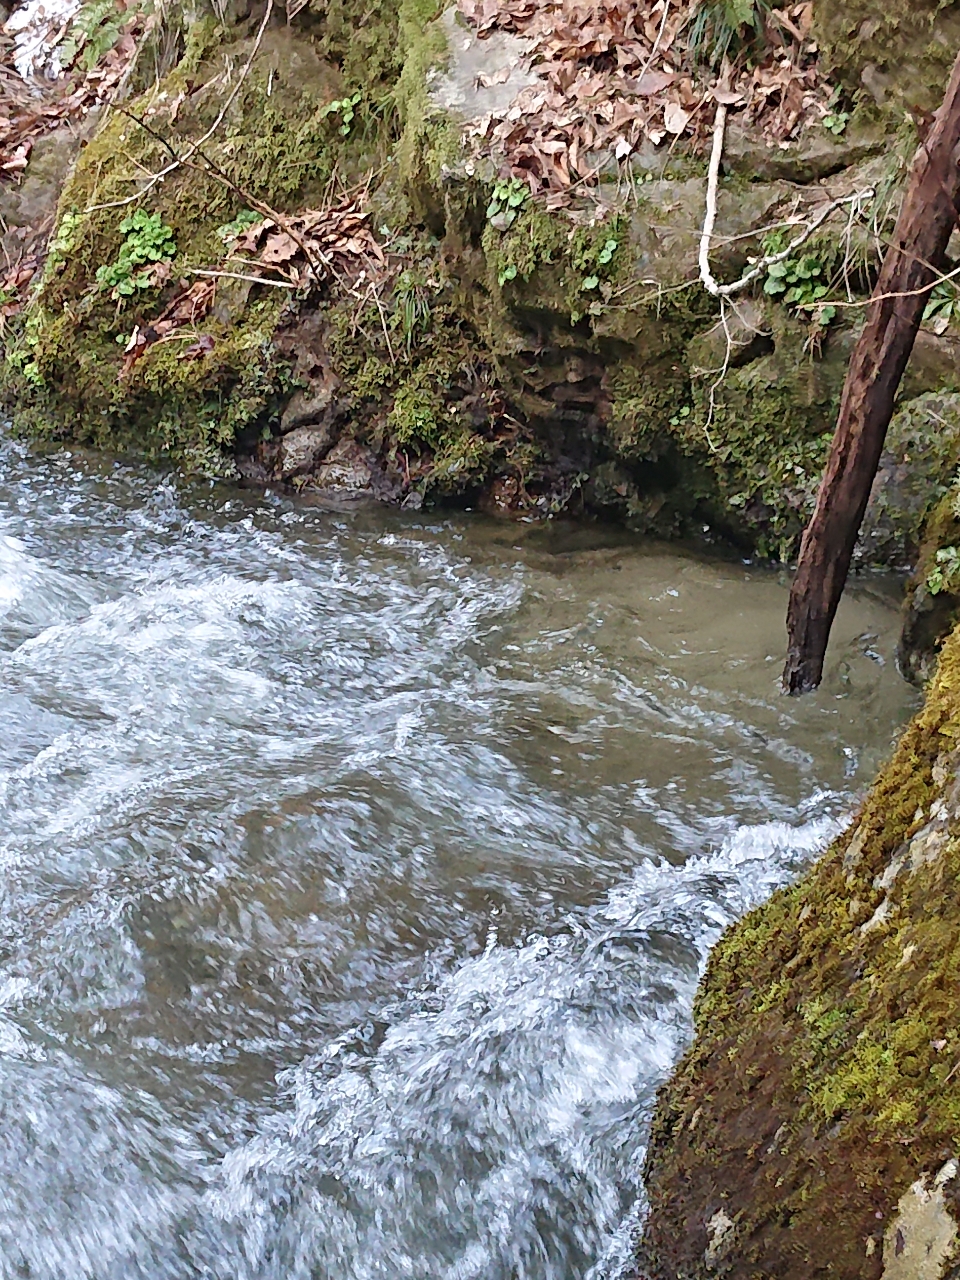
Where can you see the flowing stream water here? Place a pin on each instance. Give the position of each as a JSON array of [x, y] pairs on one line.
[[358, 868]]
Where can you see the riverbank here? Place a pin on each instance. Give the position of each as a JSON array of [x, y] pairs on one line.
[[441, 330]]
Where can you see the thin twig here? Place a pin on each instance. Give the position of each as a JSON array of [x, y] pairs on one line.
[[907, 293], [709, 281], [722, 371], [710, 216], [235, 275], [656, 44], [213, 170]]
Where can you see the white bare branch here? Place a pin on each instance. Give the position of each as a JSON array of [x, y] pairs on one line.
[[759, 268]]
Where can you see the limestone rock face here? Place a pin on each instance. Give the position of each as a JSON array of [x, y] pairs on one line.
[[919, 462], [899, 51], [813, 1128], [480, 75]]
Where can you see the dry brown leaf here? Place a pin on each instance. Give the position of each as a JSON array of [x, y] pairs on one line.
[[675, 119], [610, 69], [279, 248], [650, 83]]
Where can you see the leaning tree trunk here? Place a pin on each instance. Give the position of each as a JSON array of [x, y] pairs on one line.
[[912, 263]]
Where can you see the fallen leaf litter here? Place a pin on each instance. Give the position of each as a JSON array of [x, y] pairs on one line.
[[615, 75]]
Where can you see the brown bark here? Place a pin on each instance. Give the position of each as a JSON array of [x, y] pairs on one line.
[[915, 258]]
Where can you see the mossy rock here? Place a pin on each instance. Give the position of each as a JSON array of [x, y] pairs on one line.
[[819, 1104], [931, 606], [765, 424], [276, 144], [917, 469], [900, 51]]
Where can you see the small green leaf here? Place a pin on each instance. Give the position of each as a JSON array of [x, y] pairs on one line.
[[740, 12]]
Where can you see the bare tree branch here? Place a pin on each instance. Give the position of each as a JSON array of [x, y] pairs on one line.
[[709, 281]]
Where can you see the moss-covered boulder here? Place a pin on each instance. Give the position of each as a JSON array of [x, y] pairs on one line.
[[547, 360], [813, 1127]]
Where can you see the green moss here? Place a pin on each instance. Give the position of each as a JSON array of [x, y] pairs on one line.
[[766, 428], [420, 389], [430, 140], [929, 616], [536, 240], [566, 266], [418, 415], [275, 145], [906, 46]]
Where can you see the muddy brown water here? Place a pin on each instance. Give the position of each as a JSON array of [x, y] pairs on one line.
[[358, 868]]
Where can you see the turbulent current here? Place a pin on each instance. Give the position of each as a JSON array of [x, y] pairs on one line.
[[358, 869]]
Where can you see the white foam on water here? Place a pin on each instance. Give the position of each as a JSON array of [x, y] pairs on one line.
[[321, 958], [33, 595], [494, 1133]]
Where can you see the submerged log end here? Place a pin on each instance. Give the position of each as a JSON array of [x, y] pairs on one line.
[[801, 673]]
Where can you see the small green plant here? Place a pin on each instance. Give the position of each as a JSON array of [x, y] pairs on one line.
[[945, 573], [65, 235], [22, 354], [799, 283], [682, 414], [943, 306], [412, 310], [93, 33], [591, 258], [836, 122], [603, 258], [722, 28], [509, 196], [62, 243], [232, 230], [346, 109], [148, 241]]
